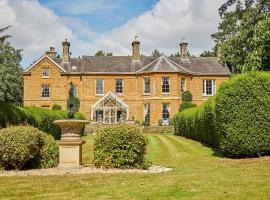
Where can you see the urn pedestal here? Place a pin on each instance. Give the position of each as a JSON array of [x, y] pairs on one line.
[[70, 145]]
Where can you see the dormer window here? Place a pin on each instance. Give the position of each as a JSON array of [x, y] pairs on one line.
[[45, 72]]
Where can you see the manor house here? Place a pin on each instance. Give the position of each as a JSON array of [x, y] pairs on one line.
[[115, 88]]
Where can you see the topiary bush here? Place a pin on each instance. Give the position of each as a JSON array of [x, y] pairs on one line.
[[187, 96], [186, 101], [25, 146], [56, 107], [121, 146], [186, 105], [243, 115]]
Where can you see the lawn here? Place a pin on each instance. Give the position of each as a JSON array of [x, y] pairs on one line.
[[198, 173]]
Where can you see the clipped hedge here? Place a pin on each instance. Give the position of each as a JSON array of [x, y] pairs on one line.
[[37, 117], [237, 120], [121, 146], [198, 123], [27, 147], [243, 115]]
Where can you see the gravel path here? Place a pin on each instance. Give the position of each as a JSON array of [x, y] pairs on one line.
[[59, 171]]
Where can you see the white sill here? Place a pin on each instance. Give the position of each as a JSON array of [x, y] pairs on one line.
[[166, 93], [99, 95], [147, 94], [45, 77], [209, 95], [45, 98]]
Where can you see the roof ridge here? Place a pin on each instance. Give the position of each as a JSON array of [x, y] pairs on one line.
[[147, 65], [171, 65], [179, 65]]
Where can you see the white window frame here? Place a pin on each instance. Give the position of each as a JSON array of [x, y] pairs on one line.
[[183, 80], [122, 84], [146, 110], [213, 89], [42, 89], [169, 85], [49, 72], [144, 86], [101, 94], [169, 111]]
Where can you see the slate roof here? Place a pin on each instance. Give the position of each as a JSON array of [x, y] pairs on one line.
[[125, 64]]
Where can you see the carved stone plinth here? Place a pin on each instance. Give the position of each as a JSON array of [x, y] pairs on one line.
[[71, 143]]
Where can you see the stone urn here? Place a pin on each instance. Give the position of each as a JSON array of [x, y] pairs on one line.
[[70, 151]]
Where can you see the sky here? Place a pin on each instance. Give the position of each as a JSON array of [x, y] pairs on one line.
[[109, 25]]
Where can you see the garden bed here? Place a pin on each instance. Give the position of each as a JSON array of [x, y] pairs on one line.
[[59, 171]]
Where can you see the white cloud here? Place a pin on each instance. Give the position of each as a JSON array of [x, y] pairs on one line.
[[35, 28], [165, 25]]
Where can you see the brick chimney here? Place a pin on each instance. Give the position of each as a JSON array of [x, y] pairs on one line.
[[51, 53], [65, 56], [136, 49], [184, 49]]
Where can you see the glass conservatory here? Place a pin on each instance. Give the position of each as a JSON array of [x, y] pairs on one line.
[[110, 109]]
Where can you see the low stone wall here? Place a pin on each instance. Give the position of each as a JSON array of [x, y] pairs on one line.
[[158, 129], [93, 128]]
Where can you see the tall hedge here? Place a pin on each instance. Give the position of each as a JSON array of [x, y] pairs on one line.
[[237, 120], [198, 123], [243, 115], [37, 117]]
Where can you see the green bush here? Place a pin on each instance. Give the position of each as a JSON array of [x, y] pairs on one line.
[[145, 123], [187, 96], [198, 123], [122, 146], [243, 115], [160, 122], [56, 107], [186, 105], [37, 117], [24, 146]]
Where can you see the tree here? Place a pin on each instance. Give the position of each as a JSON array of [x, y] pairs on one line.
[[11, 81], [156, 53], [177, 54], [212, 53], [259, 56], [102, 53], [236, 32]]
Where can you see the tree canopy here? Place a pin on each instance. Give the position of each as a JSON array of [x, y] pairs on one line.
[[102, 53], [244, 34], [156, 53], [11, 81]]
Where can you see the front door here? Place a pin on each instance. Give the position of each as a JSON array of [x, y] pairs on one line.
[[109, 115]]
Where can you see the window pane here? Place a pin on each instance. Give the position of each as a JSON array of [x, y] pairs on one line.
[[183, 84], [99, 86], [46, 72], [119, 86], [147, 112], [165, 85], [166, 111], [146, 85], [45, 91], [208, 87]]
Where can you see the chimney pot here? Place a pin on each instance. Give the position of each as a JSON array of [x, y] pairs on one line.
[[51, 53], [136, 49], [66, 53], [184, 49]]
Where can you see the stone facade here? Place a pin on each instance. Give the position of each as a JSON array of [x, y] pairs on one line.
[[133, 88]]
